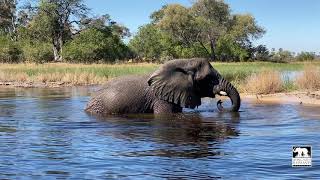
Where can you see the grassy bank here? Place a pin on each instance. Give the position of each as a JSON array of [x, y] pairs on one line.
[[81, 74], [240, 71], [72, 74]]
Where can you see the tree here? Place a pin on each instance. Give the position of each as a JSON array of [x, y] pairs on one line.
[[149, 42], [209, 23], [181, 24], [8, 17], [106, 23], [261, 53], [155, 44], [281, 55], [306, 56], [98, 40], [178, 23], [57, 20], [213, 20], [245, 29], [227, 49]]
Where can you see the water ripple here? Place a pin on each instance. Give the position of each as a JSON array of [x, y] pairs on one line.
[[44, 133]]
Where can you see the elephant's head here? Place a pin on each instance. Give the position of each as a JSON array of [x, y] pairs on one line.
[[185, 82]]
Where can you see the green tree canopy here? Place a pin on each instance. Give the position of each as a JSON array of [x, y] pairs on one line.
[[207, 25], [55, 20], [45, 28]]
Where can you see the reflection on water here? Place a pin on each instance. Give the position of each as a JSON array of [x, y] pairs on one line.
[[46, 133], [290, 75], [176, 134]]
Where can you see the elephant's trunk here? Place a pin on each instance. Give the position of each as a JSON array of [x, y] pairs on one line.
[[231, 92]]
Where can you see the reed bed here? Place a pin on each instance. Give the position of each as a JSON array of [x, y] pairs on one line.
[[264, 82], [309, 79]]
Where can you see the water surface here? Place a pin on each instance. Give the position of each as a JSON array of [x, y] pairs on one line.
[[44, 133]]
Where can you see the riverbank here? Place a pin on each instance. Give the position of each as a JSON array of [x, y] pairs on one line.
[[259, 81], [64, 74], [34, 84], [295, 98]]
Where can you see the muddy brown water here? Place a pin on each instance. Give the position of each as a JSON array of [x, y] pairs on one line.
[[44, 133]]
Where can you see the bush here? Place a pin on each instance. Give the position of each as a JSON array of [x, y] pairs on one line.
[[10, 52], [261, 53], [38, 53], [282, 56], [306, 56], [93, 45]]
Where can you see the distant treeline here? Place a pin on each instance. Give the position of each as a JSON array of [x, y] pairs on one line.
[[62, 31]]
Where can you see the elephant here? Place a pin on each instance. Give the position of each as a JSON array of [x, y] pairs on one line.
[[302, 152], [177, 84]]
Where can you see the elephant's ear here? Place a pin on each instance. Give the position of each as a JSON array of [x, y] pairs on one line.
[[175, 85]]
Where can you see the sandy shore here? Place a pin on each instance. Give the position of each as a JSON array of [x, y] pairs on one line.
[[297, 97]]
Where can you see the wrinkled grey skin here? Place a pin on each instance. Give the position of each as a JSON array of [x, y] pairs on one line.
[[176, 84]]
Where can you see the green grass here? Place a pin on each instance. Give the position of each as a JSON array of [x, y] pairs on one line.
[[237, 73], [231, 70], [73, 74], [102, 70]]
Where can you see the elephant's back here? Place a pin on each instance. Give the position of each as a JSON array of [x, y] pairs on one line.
[[124, 81], [121, 95]]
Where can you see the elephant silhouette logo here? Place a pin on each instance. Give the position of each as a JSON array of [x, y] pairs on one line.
[[301, 156], [301, 152]]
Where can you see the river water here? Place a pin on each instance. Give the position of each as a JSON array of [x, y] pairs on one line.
[[44, 133]]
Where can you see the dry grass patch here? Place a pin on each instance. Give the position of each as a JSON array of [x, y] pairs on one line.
[[71, 78], [51, 77], [10, 77], [4, 77], [83, 79], [309, 79], [90, 78], [21, 77], [264, 82]]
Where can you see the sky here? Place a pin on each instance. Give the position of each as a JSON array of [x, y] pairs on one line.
[[290, 24]]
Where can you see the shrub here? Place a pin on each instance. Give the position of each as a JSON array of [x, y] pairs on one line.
[[265, 82], [10, 52], [261, 53], [38, 53], [282, 56], [306, 56], [309, 79], [13, 76], [93, 45]]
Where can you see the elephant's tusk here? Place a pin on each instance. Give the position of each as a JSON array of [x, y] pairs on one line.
[[222, 93]]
